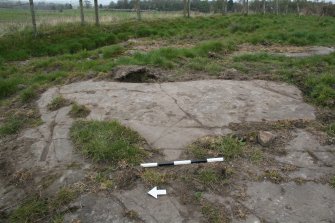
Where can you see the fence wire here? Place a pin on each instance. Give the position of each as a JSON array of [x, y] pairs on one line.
[[15, 16]]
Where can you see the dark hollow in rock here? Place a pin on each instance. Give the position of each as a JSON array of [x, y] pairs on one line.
[[134, 74]]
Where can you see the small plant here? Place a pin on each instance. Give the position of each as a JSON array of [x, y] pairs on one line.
[[112, 51], [30, 211], [79, 111], [208, 176], [27, 95], [57, 103], [332, 182], [12, 125], [63, 197], [228, 146], [331, 129], [198, 195], [273, 175], [154, 177], [257, 156], [107, 142]]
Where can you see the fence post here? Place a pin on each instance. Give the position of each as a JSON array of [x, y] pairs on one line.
[[32, 10], [188, 8], [223, 7], [185, 7], [82, 19], [138, 10], [277, 7], [263, 7], [96, 12]]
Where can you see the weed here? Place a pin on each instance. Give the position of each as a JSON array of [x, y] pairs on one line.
[[12, 125], [8, 86], [331, 128], [107, 141], [256, 156], [28, 95], [30, 211], [273, 175], [133, 215], [332, 182], [198, 195], [321, 89], [57, 103], [208, 176], [63, 197], [154, 178], [228, 146], [112, 51], [213, 214], [79, 111]]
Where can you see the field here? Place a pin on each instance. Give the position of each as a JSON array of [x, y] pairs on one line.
[[257, 90], [18, 19]]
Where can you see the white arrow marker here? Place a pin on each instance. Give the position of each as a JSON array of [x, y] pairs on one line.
[[154, 192]]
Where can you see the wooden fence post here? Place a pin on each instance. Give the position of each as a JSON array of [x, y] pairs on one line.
[[277, 7], [185, 7], [96, 9], [188, 8], [263, 7], [82, 19], [138, 10], [32, 11]]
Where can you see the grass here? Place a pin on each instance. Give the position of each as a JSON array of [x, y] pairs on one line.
[[28, 95], [79, 111], [57, 103], [209, 176], [254, 29], [273, 175], [229, 147], [154, 178], [30, 211], [331, 128], [332, 182], [108, 142], [12, 125], [37, 208]]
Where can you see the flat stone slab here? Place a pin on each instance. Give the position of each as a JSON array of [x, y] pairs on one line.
[[169, 115], [97, 208], [172, 115], [290, 202], [166, 209]]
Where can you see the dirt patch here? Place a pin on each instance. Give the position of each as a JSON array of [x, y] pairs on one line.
[[147, 45], [135, 74], [289, 51]]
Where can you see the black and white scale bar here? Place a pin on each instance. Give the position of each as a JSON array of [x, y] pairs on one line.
[[183, 162]]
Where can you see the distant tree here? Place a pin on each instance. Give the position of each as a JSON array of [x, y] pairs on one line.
[[87, 4], [230, 6], [100, 6]]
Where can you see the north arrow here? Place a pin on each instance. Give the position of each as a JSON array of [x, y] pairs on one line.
[[154, 192]]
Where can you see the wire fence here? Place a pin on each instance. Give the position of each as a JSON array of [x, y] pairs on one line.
[[16, 16]]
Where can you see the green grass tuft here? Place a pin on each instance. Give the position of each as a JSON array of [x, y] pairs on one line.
[[79, 111], [30, 211], [57, 103], [332, 182], [228, 146], [107, 142], [28, 95], [321, 89], [12, 125]]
